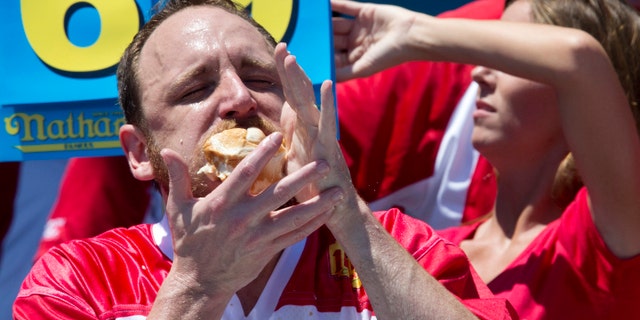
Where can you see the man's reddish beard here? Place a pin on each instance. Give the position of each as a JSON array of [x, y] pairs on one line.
[[200, 184]]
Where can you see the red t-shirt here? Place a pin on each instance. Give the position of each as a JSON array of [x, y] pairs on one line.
[[118, 274], [567, 272]]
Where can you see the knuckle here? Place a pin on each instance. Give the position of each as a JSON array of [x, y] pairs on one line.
[[298, 222], [282, 194], [219, 202], [250, 170]]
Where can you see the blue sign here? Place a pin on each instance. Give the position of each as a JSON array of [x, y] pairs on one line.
[[58, 93]]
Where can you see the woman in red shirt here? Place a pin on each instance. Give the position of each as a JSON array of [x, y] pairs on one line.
[[557, 116]]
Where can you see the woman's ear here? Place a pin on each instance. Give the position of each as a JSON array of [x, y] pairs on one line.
[[134, 145]]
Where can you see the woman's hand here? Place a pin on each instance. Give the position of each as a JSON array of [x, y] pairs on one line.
[[373, 40]]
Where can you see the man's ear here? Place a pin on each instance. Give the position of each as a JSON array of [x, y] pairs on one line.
[[134, 145]]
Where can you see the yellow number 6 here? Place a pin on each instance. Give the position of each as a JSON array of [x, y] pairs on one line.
[[43, 23], [273, 15]]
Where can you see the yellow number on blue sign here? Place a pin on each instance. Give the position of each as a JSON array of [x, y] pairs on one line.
[[44, 25], [273, 15]]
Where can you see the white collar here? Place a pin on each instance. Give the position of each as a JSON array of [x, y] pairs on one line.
[[272, 291]]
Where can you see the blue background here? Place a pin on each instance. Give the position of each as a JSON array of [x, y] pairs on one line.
[[28, 85]]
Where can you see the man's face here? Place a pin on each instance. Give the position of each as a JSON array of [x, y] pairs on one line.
[[200, 69]]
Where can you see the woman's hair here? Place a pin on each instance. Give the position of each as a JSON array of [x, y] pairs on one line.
[[127, 73], [616, 26], [613, 23]]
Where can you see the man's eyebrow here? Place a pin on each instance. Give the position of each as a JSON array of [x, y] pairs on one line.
[[259, 63], [185, 78]]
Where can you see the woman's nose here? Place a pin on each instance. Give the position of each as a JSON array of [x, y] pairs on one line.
[[483, 76]]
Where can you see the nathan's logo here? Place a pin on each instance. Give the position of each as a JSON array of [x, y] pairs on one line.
[[47, 27], [38, 133], [341, 266]]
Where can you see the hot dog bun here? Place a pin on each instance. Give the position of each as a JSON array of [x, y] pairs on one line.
[[224, 150]]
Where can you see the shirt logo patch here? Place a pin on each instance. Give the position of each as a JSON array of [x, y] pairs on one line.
[[341, 266]]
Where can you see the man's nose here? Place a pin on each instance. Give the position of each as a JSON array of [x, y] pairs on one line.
[[237, 101]]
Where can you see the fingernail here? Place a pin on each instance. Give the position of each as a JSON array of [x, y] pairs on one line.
[[322, 167], [272, 137]]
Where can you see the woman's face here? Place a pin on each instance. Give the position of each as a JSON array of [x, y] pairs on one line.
[[514, 116]]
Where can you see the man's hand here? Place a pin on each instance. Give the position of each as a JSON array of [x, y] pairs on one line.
[[311, 133], [223, 241]]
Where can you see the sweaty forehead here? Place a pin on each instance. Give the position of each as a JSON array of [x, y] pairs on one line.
[[204, 27]]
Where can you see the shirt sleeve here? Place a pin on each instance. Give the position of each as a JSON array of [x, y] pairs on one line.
[[447, 263], [585, 248], [48, 292]]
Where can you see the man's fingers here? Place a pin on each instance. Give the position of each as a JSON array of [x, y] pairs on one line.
[[297, 222], [280, 54], [327, 128], [287, 188], [300, 86], [300, 92], [250, 167], [180, 197], [179, 180], [297, 87]]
